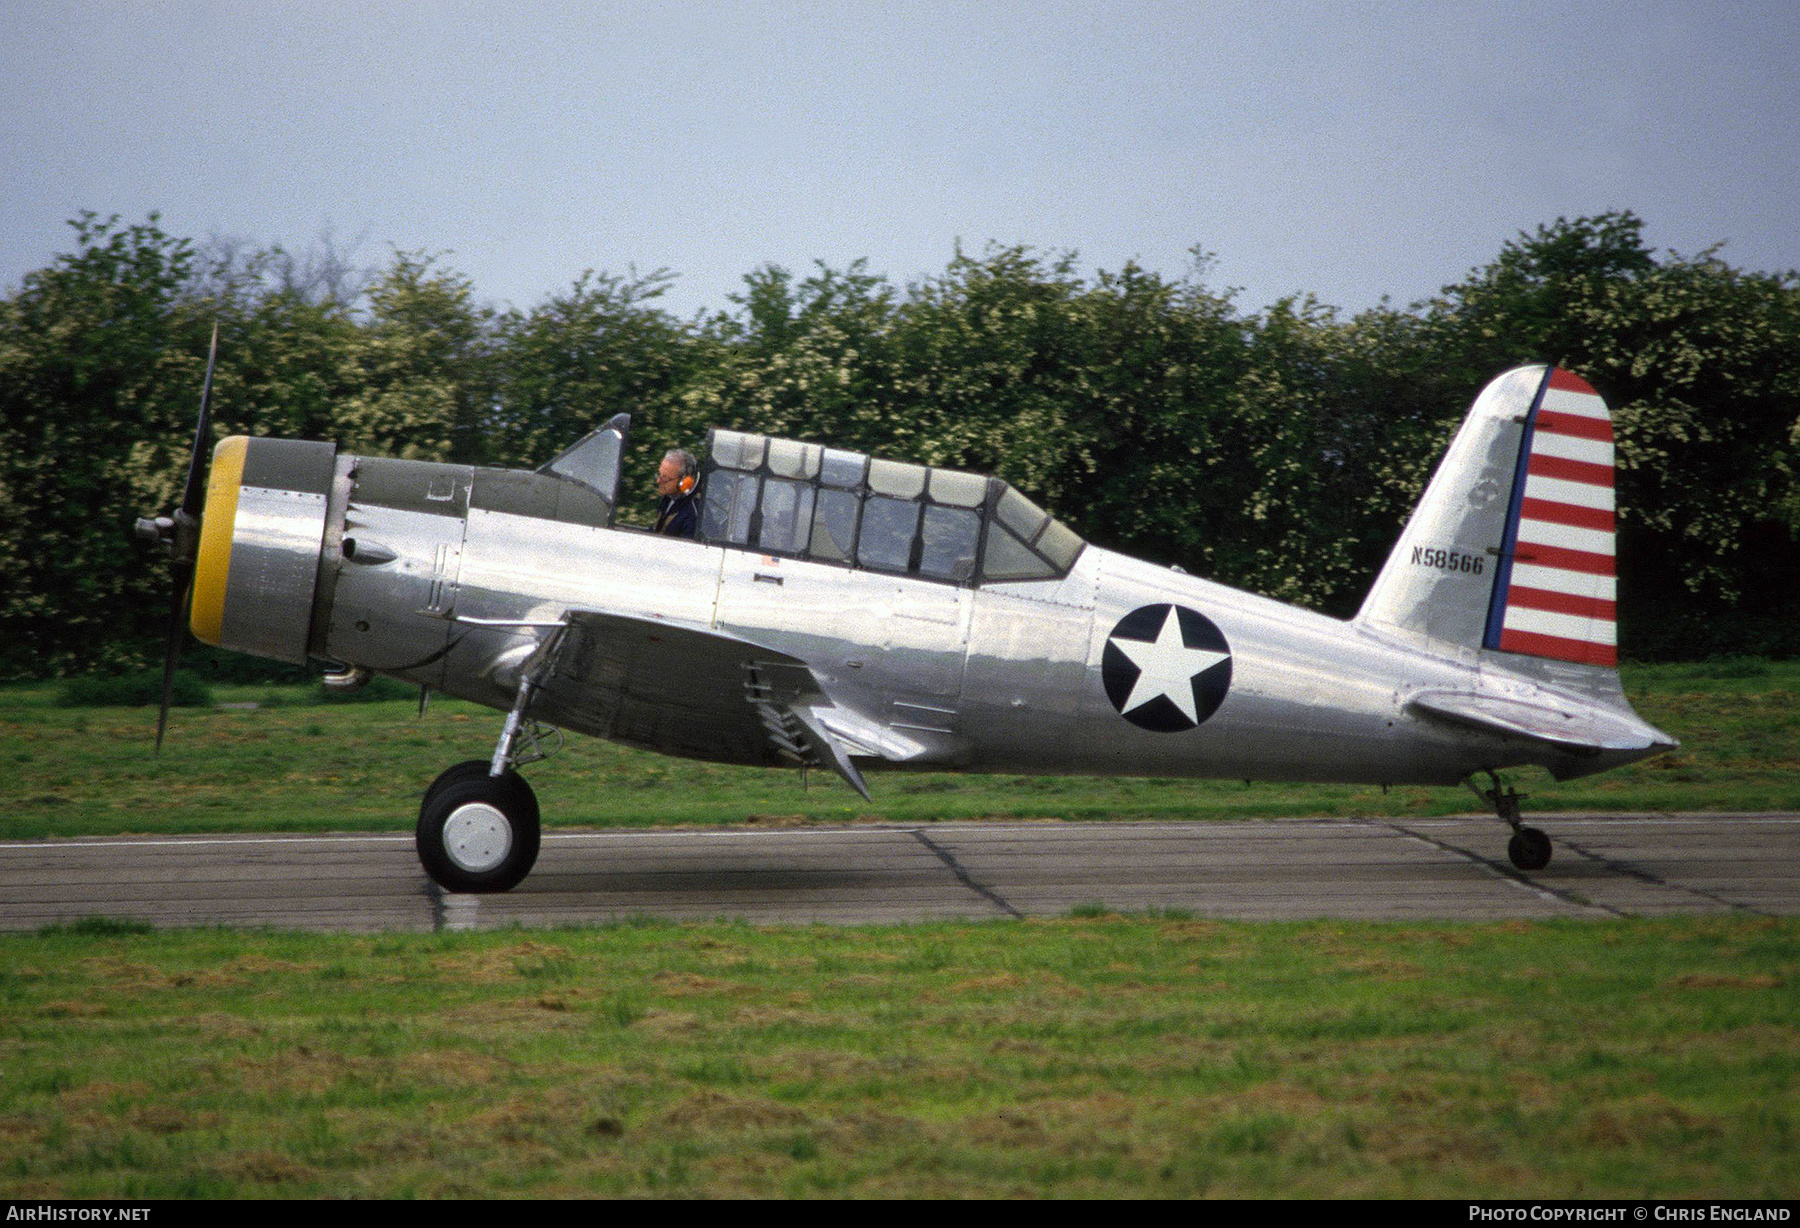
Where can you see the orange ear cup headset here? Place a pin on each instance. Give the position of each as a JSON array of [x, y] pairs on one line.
[[687, 484]]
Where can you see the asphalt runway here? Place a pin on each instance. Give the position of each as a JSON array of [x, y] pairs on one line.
[[1441, 869]]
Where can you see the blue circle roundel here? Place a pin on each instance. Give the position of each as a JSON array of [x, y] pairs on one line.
[[1166, 668]]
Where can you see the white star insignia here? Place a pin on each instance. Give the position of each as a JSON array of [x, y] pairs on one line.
[[1166, 666]]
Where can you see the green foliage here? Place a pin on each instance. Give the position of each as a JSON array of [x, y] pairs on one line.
[[94, 352], [1278, 451], [577, 359], [420, 367], [814, 360], [1111, 402]]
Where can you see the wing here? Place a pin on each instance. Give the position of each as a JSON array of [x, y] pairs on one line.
[[695, 693]]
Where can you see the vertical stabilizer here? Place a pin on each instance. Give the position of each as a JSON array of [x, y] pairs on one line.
[[1511, 547]]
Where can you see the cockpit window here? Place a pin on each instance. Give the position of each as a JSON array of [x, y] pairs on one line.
[[1059, 543], [787, 509], [730, 500], [947, 543], [958, 489], [844, 468], [806, 501], [834, 525], [1020, 515], [889, 527], [788, 459], [736, 450], [902, 481], [1008, 558]]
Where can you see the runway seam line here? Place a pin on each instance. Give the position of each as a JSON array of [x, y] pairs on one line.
[[1506, 873], [1645, 876], [962, 876]]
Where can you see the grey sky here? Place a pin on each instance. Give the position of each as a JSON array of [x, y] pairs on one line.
[[1351, 150]]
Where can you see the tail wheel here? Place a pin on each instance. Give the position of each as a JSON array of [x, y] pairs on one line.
[[478, 833], [1529, 849]]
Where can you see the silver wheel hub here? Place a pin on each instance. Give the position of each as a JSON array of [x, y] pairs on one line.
[[477, 837]]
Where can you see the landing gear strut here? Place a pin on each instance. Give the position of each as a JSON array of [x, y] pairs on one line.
[[1529, 848], [479, 827]]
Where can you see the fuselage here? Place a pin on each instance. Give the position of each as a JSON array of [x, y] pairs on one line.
[[450, 577]]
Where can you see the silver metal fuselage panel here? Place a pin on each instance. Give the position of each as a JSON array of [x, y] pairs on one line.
[[392, 576], [1000, 677], [274, 560]]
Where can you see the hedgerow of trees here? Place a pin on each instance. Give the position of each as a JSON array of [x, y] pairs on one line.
[[1277, 450]]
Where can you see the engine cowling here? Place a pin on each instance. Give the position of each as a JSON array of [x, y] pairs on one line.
[[261, 536]]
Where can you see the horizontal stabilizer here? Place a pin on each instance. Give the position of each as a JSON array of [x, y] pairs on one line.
[[1575, 725]]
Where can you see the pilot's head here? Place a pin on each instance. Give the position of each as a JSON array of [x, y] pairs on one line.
[[676, 474]]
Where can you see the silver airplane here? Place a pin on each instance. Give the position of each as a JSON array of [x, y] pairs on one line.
[[844, 612]]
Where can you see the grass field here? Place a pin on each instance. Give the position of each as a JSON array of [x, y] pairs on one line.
[[293, 764], [1092, 1056], [1088, 1056]]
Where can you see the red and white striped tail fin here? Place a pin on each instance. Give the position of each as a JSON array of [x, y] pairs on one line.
[[1556, 587], [1510, 550]]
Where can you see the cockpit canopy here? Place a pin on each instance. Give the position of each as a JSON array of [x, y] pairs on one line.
[[804, 500]]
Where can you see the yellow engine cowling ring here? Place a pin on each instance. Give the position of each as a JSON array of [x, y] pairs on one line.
[[260, 539]]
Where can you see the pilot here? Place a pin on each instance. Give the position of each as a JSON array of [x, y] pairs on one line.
[[676, 477]]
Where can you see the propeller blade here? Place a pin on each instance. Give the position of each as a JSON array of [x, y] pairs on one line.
[[184, 576], [186, 543], [194, 495]]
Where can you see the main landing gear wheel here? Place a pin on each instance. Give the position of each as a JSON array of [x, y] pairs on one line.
[[468, 769], [1529, 849], [478, 833]]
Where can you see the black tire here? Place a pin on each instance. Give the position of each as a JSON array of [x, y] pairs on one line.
[[478, 833], [468, 769], [1529, 849]]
